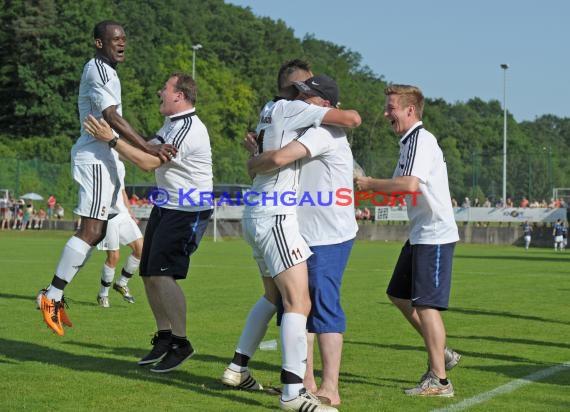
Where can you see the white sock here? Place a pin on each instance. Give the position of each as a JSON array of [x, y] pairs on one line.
[[255, 326], [107, 276], [293, 350], [237, 368], [131, 267], [73, 256]]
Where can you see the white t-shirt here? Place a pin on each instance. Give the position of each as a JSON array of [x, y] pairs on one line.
[[328, 169], [279, 124], [190, 172], [99, 88], [431, 221]]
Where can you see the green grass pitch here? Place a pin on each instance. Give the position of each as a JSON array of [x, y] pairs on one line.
[[509, 318]]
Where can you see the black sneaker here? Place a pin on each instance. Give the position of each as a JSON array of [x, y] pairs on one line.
[[176, 355], [159, 350]]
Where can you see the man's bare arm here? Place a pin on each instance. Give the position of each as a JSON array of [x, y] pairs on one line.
[[126, 131], [101, 130], [274, 159]]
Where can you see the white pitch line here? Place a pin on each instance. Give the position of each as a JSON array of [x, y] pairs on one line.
[[507, 388]]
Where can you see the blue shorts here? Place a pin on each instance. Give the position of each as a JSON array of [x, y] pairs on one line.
[[326, 267], [423, 275], [171, 236]]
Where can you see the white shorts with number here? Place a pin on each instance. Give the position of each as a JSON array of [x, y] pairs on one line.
[[98, 189], [276, 242], [121, 230]]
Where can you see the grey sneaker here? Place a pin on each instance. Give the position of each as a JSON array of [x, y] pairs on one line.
[[451, 359], [431, 386], [125, 292], [103, 301], [240, 380], [306, 401]]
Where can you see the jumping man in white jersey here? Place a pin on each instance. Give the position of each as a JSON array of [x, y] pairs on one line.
[[93, 166], [421, 281]]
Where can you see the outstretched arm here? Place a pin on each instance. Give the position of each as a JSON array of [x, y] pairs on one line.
[[125, 130], [101, 130], [397, 184], [342, 118], [274, 159]]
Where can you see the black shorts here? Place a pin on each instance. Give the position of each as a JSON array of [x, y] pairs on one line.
[[423, 275], [171, 236]]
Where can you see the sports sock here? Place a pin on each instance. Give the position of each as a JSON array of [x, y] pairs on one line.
[[73, 256], [291, 391], [107, 275], [129, 269], [294, 352], [255, 326]]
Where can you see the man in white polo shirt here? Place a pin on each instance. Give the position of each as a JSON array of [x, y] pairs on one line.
[[176, 223], [421, 281]]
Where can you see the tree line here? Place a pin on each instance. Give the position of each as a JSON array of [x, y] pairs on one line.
[[45, 43]]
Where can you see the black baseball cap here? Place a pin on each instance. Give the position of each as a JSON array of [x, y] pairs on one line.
[[320, 85]]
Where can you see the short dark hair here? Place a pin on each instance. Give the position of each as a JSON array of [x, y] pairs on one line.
[[186, 84], [101, 27], [289, 67]]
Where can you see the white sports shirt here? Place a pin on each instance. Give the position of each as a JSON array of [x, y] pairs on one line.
[[329, 168], [431, 221], [190, 172], [279, 122], [99, 88]]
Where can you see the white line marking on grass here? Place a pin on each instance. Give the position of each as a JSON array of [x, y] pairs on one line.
[[507, 388]]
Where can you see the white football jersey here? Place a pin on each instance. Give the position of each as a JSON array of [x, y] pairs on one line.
[[274, 193], [431, 220], [99, 88], [187, 178]]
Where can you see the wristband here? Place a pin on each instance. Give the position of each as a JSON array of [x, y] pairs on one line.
[[113, 142]]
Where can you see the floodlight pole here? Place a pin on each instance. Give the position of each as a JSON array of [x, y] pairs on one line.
[[504, 66], [195, 48]]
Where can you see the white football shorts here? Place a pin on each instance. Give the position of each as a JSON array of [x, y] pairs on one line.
[[276, 242], [121, 230], [99, 189]]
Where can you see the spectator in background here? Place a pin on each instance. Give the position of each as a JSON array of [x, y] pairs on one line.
[[487, 202], [27, 217], [453, 202], [358, 213], [558, 232], [59, 212], [534, 204], [366, 215], [524, 202], [561, 202], [466, 203], [543, 203], [51, 202], [39, 220], [527, 232], [510, 202], [476, 202], [499, 203]]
